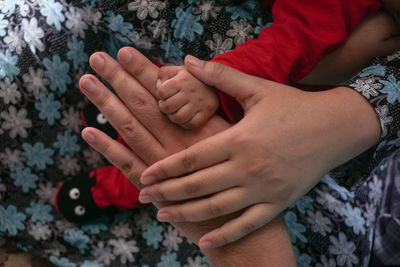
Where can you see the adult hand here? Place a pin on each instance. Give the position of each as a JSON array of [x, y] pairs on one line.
[[287, 140], [136, 117]]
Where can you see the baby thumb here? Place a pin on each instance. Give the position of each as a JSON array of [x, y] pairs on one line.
[[228, 80]]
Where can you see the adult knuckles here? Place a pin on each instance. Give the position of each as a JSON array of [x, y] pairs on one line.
[[215, 209]]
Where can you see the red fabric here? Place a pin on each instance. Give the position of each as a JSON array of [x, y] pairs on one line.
[[112, 188], [302, 33]]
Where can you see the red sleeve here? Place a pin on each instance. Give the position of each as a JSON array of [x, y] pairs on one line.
[[302, 33]]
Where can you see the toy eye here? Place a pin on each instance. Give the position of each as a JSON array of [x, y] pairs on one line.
[[101, 119], [79, 210], [74, 193]]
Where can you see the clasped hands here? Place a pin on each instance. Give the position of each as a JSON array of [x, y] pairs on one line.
[[281, 148]]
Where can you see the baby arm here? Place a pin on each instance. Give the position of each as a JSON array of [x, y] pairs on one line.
[[184, 99], [374, 36]]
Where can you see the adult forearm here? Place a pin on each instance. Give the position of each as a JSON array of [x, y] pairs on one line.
[[353, 120]]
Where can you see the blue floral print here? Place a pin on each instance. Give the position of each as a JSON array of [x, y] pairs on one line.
[[11, 220], [24, 178], [48, 108], [57, 72], [186, 24], [77, 239], [44, 51], [295, 229], [37, 155], [8, 65], [40, 212], [76, 53], [244, 11], [172, 49], [62, 262], [66, 143], [169, 260], [378, 70], [152, 234], [391, 87], [53, 12], [3, 25], [9, 5]]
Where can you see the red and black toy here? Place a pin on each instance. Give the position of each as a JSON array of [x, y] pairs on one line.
[[102, 191]]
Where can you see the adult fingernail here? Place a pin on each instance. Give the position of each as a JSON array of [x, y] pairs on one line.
[[206, 245], [148, 179], [194, 61], [88, 85], [88, 137], [125, 56], [164, 217], [144, 197], [97, 62]]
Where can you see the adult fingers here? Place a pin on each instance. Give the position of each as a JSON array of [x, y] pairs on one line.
[[201, 183], [137, 65], [252, 218], [135, 96], [201, 155], [121, 118], [233, 82], [118, 154], [219, 204]]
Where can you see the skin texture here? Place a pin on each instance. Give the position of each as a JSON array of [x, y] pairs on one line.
[[152, 137], [185, 100], [282, 145]]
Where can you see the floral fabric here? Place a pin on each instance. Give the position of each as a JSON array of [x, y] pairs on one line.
[[44, 49]]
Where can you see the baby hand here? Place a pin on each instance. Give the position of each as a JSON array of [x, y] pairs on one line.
[[184, 99]]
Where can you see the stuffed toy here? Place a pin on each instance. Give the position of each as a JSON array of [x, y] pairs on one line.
[[100, 192]]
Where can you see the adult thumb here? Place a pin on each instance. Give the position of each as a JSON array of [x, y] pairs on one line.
[[228, 80]]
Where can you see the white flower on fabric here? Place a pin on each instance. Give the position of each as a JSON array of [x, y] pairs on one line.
[[16, 122], [40, 231], [121, 230], [207, 10], [93, 158], [353, 218], [383, 113], [370, 214], [69, 165], [218, 46], [71, 120], [367, 87], [196, 262], [329, 201], [240, 32], [142, 219], [14, 40], [12, 158], [103, 253], [23, 8], [158, 28], [375, 190], [146, 7], [33, 34], [75, 22], [172, 239], [343, 249], [55, 248], [395, 56], [124, 249], [9, 91], [35, 82], [90, 15], [46, 192], [319, 223]]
